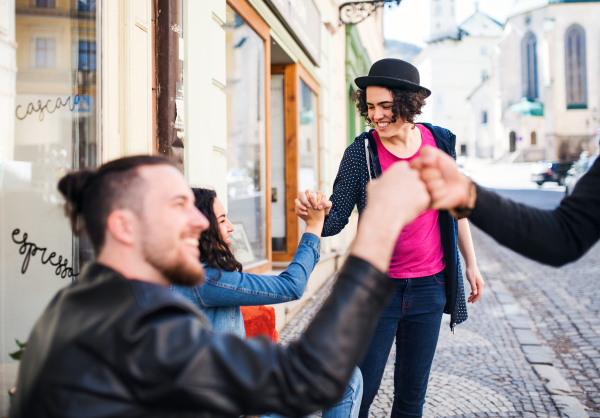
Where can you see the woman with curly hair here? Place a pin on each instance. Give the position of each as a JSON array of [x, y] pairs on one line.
[[227, 287], [425, 265]]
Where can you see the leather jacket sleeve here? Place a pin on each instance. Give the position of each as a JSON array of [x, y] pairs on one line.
[[555, 237], [177, 360]]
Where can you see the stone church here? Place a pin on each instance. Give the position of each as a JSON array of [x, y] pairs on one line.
[[456, 61], [542, 98]]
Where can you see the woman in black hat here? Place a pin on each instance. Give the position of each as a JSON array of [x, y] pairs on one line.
[[425, 265]]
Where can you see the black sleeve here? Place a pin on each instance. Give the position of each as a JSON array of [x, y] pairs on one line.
[[553, 237], [177, 361]]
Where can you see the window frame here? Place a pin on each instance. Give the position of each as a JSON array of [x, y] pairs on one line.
[[293, 73]]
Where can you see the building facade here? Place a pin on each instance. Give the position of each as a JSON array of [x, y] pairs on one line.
[[455, 61], [249, 97], [543, 95]]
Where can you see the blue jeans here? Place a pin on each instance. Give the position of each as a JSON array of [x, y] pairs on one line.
[[413, 316], [349, 405]]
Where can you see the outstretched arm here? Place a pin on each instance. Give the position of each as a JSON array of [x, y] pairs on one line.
[[553, 237], [175, 356], [233, 288]]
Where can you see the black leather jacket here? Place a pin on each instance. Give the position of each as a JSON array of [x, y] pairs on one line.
[[555, 237], [112, 347]]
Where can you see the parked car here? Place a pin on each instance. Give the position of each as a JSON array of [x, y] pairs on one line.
[[544, 171], [577, 171]]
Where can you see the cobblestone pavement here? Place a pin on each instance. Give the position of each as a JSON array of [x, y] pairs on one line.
[[480, 371], [564, 306]]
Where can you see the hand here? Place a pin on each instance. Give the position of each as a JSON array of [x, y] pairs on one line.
[[476, 281], [314, 219], [394, 200], [448, 187], [316, 200]]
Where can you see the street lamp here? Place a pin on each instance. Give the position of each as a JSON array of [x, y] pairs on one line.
[[354, 12]]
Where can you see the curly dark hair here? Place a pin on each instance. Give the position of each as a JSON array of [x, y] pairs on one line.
[[407, 104], [214, 251]]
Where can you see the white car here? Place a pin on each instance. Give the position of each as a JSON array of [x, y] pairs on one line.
[[577, 171]]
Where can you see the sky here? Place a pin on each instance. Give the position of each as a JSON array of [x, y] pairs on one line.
[[409, 22]]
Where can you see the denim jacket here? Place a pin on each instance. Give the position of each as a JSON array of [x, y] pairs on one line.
[[220, 298], [349, 190]]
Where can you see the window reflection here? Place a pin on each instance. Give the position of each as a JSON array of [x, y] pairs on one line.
[[45, 3], [278, 189], [308, 139], [44, 53], [246, 175], [86, 5]]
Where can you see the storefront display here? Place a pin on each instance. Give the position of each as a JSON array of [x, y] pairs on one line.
[[54, 120], [246, 135]]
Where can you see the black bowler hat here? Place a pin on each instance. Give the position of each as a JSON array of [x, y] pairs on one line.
[[393, 74]]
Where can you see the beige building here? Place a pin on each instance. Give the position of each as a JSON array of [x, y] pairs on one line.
[[543, 95], [453, 64], [250, 97]]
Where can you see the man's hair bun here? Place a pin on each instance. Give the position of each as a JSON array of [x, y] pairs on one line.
[[91, 195], [72, 187]]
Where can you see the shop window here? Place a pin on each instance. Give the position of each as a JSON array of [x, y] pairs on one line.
[[246, 139], [300, 141], [278, 166], [45, 51], [530, 66], [308, 139], [49, 129], [575, 62]]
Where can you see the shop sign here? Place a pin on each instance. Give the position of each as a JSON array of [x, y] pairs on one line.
[[303, 20]]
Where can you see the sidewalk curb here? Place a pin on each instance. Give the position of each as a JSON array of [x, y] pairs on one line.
[[537, 354]]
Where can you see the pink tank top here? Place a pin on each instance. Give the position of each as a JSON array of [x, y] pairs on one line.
[[418, 251]]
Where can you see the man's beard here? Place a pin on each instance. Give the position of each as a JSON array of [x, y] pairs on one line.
[[177, 271], [178, 274]]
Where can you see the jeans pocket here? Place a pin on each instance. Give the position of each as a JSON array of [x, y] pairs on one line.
[[440, 279]]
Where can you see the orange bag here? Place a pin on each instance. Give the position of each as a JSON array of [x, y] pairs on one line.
[[260, 320]]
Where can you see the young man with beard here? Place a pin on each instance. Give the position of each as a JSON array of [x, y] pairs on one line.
[[120, 343]]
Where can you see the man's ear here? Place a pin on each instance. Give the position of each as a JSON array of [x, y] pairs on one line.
[[121, 225]]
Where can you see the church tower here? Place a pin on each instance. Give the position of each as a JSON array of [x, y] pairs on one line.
[[442, 19]]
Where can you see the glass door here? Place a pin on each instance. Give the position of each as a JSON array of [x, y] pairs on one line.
[[278, 186]]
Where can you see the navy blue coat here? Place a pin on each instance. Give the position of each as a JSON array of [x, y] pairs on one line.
[[349, 190]]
